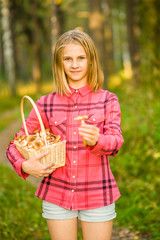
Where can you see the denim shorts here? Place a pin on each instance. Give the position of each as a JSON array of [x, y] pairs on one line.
[[102, 214]]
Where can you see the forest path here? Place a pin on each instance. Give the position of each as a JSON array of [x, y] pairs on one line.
[[7, 135]]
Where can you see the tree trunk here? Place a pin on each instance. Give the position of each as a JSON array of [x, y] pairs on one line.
[[133, 34], [96, 26], [8, 47], [109, 56], [56, 23], [156, 31], [13, 35], [36, 71]]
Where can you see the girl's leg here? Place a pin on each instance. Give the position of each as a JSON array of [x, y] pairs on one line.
[[63, 229], [97, 230]]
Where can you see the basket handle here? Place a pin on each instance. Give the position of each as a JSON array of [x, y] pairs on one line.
[[43, 132]]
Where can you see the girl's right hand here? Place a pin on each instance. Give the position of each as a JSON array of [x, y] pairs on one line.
[[34, 167]]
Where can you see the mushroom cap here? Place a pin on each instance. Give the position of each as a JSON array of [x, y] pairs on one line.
[[82, 117], [24, 143], [20, 138], [36, 141], [36, 131], [47, 130], [58, 137], [29, 145], [31, 138], [36, 144]]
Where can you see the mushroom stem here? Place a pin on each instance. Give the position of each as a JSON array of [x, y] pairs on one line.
[[82, 118], [84, 141]]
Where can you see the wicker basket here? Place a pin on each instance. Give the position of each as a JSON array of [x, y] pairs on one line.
[[57, 151]]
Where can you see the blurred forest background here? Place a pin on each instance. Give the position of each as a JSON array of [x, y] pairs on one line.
[[127, 36]]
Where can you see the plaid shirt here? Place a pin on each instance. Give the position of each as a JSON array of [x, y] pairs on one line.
[[86, 181]]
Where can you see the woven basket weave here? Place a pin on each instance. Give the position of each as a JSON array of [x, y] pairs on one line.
[[57, 151]]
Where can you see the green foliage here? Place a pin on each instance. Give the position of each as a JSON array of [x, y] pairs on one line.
[[136, 168], [7, 103], [20, 211]]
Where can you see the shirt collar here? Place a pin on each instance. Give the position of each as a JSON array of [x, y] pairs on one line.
[[83, 90]]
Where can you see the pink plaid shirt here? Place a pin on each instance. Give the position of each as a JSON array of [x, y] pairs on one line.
[[86, 181]]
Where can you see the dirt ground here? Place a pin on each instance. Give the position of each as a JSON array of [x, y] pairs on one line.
[[6, 136]]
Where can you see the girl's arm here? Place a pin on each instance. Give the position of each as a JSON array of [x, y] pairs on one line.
[[110, 141], [13, 155]]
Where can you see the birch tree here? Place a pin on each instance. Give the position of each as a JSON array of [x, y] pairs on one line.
[[56, 22], [8, 46]]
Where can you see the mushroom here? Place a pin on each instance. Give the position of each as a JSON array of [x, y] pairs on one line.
[[36, 140], [20, 138], [36, 131], [58, 137], [36, 144], [30, 145], [31, 138], [47, 130], [82, 118], [41, 142], [24, 143]]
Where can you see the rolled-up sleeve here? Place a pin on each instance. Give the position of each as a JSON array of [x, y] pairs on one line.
[[16, 160], [111, 140]]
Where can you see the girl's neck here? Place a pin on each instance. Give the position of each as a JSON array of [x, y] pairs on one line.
[[77, 86]]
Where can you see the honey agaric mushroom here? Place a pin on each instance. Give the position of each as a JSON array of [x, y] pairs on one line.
[[36, 144], [24, 143], [82, 118], [36, 131], [30, 145], [20, 138], [41, 142], [36, 140], [31, 138], [58, 137]]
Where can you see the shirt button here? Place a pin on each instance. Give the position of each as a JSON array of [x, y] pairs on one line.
[[94, 119], [74, 147], [73, 176], [72, 190], [74, 161], [74, 133], [76, 90], [75, 106], [55, 122]]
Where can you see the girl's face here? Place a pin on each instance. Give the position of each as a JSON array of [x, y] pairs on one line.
[[75, 65]]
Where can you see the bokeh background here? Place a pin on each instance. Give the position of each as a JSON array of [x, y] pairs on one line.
[[127, 36]]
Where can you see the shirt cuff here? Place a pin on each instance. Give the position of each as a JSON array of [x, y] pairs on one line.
[[20, 172], [97, 148]]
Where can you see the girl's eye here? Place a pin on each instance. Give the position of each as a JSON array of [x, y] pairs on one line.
[[81, 57], [67, 59]]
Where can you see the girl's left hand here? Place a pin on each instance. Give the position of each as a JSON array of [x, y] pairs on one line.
[[90, 133]]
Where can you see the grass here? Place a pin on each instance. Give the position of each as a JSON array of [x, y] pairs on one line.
[[20, 211]]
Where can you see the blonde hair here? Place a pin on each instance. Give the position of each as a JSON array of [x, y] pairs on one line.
[[95, 74]]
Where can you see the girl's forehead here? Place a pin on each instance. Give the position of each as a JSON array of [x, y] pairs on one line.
[[73, 48]]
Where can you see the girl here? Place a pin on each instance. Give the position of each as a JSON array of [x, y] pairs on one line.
[[84, 188]]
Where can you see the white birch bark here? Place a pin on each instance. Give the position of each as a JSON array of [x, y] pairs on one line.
[[8, 46]]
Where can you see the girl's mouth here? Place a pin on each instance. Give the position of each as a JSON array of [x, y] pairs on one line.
[[75, 72]]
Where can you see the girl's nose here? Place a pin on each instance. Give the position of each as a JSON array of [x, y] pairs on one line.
[[74, 63]]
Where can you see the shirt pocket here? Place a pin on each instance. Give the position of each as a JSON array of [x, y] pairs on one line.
[[96, 120], [57, 125]]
